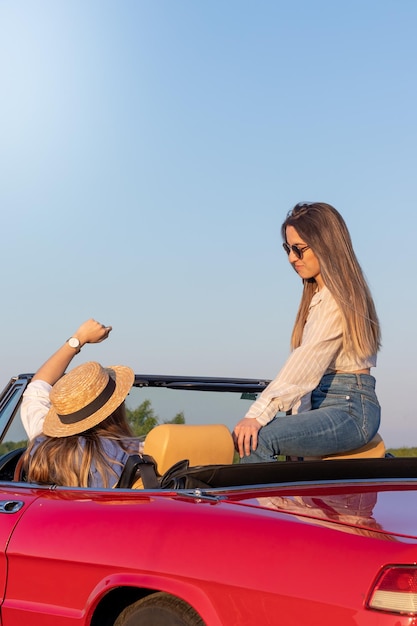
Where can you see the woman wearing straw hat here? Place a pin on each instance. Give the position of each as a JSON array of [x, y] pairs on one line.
[[76, 424]]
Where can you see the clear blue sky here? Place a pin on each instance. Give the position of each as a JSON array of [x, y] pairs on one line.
[[149, 151]]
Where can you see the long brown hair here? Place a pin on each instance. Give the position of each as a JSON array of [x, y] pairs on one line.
[[325, 231], [68, 460]]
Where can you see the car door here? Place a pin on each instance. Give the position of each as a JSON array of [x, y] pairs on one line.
[[14, 500], [13, 504]]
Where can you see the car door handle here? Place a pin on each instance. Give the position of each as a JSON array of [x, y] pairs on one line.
[[10, 506]]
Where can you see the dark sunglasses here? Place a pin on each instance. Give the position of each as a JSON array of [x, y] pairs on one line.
[[297, 251], [301, 205]]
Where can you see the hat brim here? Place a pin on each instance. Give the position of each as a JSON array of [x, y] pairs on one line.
[[123, 377]]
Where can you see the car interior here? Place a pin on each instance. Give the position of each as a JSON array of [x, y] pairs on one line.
[[181, 455]]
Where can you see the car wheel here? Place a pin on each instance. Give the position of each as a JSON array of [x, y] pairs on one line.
[[159, 609]]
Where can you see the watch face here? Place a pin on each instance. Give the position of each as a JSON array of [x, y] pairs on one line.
[[74, 342]]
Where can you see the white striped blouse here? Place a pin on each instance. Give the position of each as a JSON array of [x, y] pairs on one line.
[[321, 351]]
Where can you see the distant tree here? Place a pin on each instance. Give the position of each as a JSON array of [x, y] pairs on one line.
[[12, 445], [178, 419], [143, 419]]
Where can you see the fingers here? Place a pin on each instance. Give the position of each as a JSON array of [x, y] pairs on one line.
[[92, 331], [105, 331], [245, 436], [99, 332]]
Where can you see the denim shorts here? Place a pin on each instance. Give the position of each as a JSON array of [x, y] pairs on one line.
[[345, 414]]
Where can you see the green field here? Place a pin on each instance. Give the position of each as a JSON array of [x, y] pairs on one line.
[[403, 451]]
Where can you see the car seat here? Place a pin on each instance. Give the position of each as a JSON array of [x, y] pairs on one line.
[[374, 449], [200, 444]]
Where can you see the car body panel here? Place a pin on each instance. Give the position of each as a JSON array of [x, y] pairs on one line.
[[377, 509], [71, 547], [304, 547], [13, 504]]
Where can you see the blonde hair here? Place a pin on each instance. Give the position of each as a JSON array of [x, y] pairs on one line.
[[68, 460], [324, 230]]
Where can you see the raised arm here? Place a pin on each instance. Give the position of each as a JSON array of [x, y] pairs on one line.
[[36, 403], [89, 332]]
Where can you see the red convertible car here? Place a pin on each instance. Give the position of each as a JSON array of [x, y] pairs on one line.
[[207, 541]]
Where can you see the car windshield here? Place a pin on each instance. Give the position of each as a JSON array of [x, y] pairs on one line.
[[154, 400], [12, 433]]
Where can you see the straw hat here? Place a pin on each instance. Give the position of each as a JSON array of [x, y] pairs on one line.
[[85, 397]]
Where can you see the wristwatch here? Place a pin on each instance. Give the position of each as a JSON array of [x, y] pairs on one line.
[[74, 342]]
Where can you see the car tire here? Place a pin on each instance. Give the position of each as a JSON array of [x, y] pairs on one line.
[[159, 609]]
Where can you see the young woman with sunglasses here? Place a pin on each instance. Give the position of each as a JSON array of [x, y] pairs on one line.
[[323, 400]]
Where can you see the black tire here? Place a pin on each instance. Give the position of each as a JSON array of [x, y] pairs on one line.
[[159, 609]]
